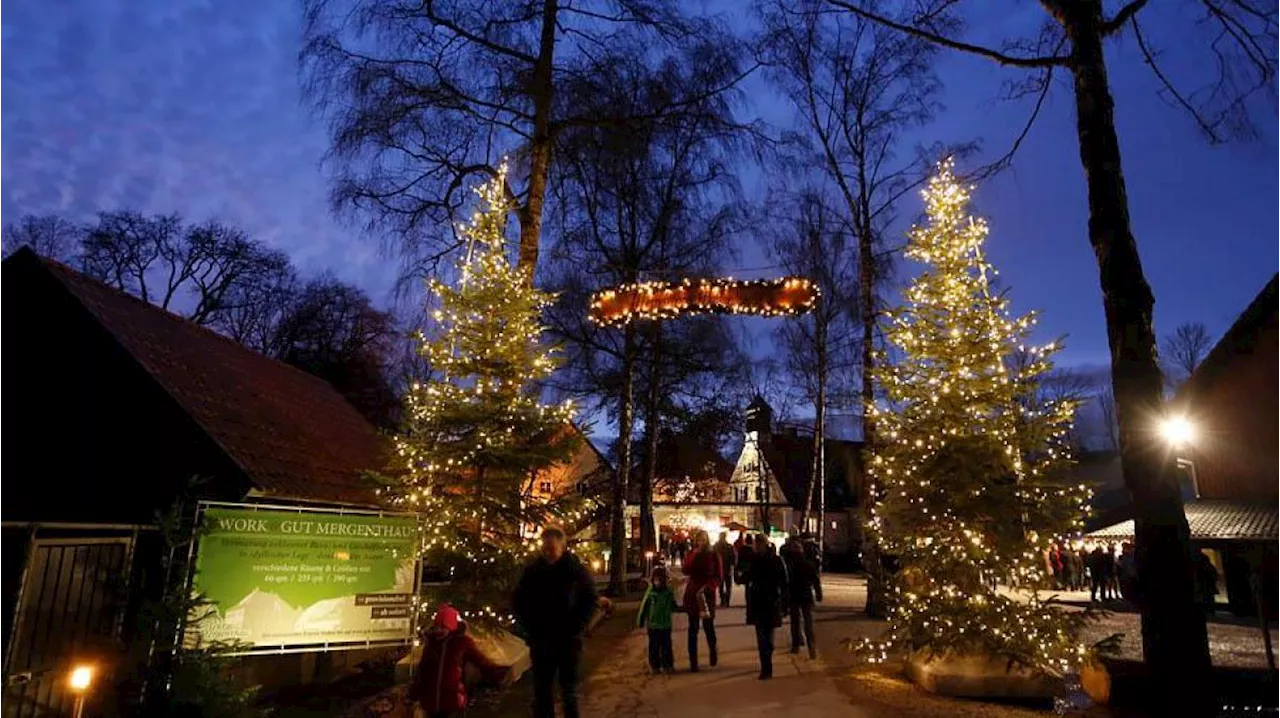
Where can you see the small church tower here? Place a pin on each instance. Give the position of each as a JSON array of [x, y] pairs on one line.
[[760, 419]]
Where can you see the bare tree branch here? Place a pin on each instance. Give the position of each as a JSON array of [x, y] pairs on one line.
[[1149, 58], [1120, 18], [923, 34]]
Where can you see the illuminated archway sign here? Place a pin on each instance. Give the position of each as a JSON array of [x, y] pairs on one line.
[[667, 300]]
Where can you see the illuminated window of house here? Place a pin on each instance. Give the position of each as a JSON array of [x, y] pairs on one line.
[[759, 494], [544, 487]]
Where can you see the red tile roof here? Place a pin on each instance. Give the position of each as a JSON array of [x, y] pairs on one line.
[[292, 434]]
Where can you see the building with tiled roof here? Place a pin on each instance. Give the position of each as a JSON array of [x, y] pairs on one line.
[[115, 404], [1231, 465]]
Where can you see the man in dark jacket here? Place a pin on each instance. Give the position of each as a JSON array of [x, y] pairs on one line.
[[768, 594], [728, 560], [742, 572], [804, 588], [553, 605]]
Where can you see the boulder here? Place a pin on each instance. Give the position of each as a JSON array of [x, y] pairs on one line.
[[978, 676]]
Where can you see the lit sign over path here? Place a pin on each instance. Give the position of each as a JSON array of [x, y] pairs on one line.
[[663, 300]]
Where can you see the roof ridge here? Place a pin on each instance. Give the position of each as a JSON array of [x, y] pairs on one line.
[[1242, 329], [79, 275], [290, 436]]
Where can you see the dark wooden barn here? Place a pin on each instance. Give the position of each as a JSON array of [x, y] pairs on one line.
[[116, 411]]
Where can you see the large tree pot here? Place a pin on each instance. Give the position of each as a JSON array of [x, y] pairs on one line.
[[978, 676]]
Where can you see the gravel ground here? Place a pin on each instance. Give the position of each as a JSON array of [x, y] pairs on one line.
[[1232, 643]]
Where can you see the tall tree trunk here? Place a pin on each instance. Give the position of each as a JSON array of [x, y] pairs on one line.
[[820, 441], [648, 539], [540, 146], [1174, 637], [618, 517], [819, 415], [876, 604]]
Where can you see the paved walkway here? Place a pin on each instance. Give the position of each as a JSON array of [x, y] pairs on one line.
[[623, 688]]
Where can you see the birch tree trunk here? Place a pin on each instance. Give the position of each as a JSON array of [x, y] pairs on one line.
[[1174, 636]]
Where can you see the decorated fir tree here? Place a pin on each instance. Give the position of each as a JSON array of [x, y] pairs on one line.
[[971, 457], [476, 435]]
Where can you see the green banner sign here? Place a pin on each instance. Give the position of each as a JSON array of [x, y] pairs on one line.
[[284, 578]]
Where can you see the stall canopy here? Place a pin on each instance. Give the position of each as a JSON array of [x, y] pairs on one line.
[[1214, 520]]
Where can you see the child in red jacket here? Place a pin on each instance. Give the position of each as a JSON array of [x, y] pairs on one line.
[[438, 686]]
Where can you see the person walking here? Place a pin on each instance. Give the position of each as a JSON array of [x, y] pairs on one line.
[[1127, 570], [728, 559], [553, 604], [437, 687], [656, 610], [768, 589], [1055, 565], [1206, 583], [742, 572], [1113, 570], [804, 587], [1097, 582], [1077, 569], [702, 573], [1083, 554], [1068, 568]]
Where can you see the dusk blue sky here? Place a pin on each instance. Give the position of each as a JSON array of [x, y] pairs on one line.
[[194, 107]]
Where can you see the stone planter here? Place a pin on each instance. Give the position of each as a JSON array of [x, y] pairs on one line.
[[978, 676]]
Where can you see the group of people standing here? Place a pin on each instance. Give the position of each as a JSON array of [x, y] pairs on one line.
[[774, 584], [1108, 573]]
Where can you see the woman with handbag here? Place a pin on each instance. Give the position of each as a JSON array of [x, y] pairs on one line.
[[702, 573], [768, 588]]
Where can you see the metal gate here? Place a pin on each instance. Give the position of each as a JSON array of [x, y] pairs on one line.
[[69, 610]]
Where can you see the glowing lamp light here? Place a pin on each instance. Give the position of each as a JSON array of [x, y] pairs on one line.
[[81, 678], [1177, 431], [648, 554]]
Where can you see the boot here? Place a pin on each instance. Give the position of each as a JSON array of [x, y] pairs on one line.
[[713, 657]]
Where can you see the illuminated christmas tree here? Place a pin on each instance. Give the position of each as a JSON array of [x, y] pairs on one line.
[[972, 457], [476, 435]]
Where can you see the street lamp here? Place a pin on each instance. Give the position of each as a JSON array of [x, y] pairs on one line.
[[1177, 431], [81, 679], [1180, 432]]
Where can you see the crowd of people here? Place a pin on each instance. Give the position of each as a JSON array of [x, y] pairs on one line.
[[1110, 573], [556, 598], [775, 585]]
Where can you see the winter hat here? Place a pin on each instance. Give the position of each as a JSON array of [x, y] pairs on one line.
[[446, 617]]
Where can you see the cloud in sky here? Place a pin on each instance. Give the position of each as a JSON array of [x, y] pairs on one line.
[[172, 107], [195, 107]]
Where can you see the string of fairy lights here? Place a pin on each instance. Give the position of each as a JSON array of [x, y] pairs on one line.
[[475, 435], [971, 459], [648, 301]]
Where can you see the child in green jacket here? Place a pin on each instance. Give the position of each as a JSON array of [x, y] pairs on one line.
[[656, 610]]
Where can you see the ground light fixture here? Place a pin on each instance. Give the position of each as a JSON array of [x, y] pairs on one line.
[[80, 680]]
